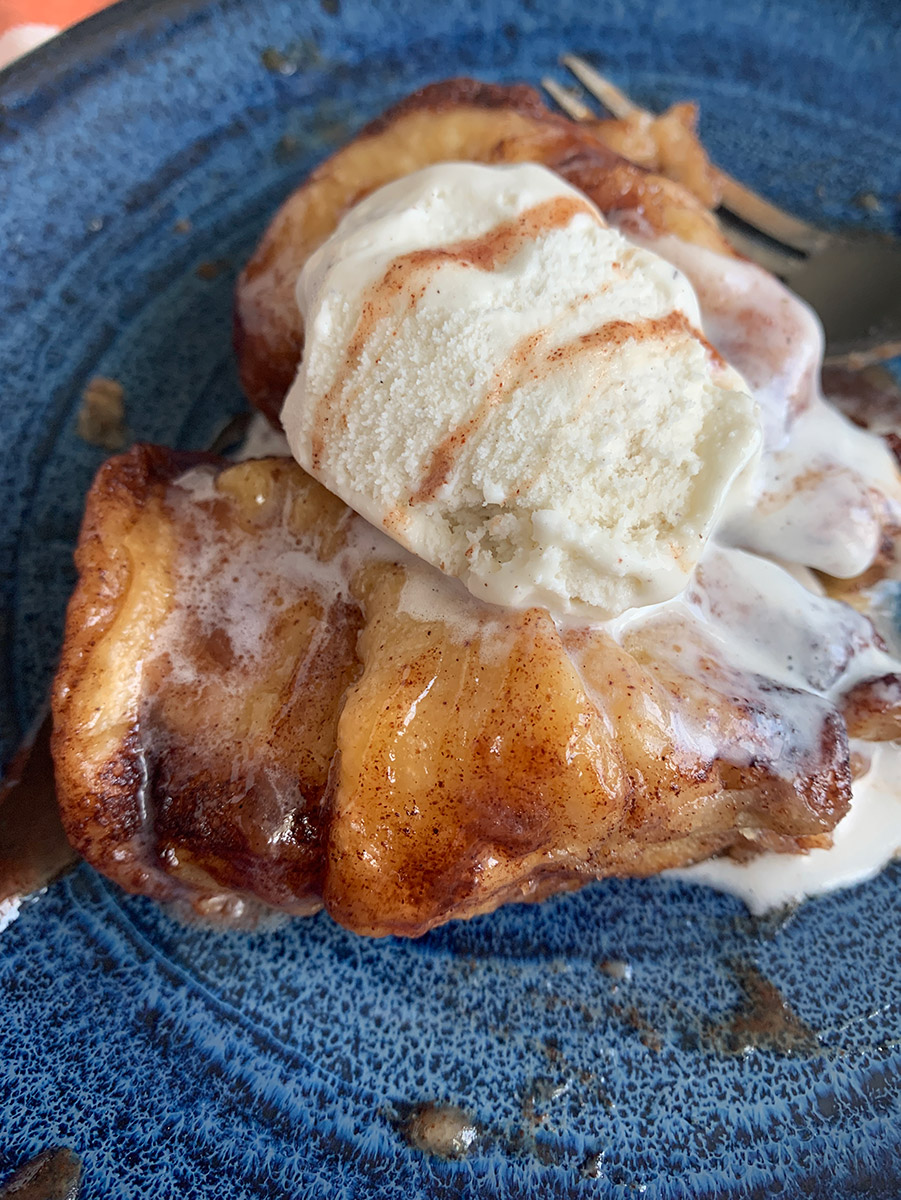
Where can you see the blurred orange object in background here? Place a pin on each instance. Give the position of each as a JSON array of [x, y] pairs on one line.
[[46, 12], [26, 23]]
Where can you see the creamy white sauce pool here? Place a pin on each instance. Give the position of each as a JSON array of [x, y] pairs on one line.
[[866, 840]]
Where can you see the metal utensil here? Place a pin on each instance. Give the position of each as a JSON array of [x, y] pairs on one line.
[[853, 281]]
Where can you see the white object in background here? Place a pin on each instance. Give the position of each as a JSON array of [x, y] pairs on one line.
[[22, 38]]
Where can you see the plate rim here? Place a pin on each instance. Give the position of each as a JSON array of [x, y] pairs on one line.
[[83, 43]]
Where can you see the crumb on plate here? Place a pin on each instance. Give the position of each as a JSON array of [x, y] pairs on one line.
[[101, 418]]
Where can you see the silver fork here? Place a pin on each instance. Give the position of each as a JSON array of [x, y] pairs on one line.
[[853, 281]]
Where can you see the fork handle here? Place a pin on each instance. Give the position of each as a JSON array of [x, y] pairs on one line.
[[754, 210]]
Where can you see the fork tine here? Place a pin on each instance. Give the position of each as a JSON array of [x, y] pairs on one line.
[[752, 208], [860, 360], [602, 89], [773, 221], [568, 100]]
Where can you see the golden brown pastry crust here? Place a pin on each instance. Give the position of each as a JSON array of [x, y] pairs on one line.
[[401, 769], [667, 145], [165, 777], [124, 539], [459, 119]]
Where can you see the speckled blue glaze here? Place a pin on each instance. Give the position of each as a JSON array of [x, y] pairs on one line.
[[193, 1063]]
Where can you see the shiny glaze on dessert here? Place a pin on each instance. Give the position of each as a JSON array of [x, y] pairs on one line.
[[303, 712], [749, 625]]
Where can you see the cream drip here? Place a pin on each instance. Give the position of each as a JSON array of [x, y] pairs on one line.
[[865, 840], [823, 489]]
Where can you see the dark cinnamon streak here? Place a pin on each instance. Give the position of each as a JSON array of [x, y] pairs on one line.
[[486, 253], [523, 362]]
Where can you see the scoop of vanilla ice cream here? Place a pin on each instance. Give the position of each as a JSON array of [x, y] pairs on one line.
[[515, 392]]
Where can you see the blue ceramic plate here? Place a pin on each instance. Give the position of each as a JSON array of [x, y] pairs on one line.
[[636, 1038]]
